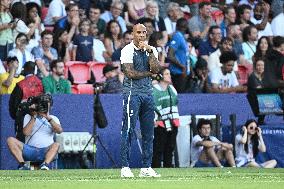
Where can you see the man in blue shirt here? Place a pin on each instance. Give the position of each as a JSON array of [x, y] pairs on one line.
[[178, 51]]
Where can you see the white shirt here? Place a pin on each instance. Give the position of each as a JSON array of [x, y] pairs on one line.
[[277, 24], [19, 55], [99, 49], [42, 133], [196, 150], [267, 30], [223, 81], [21, 27], [56, 9], [214, 61], [2, 69], [170, 26], [249, 50]]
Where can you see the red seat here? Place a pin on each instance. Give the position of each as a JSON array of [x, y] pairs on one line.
[[74, 89], [243, 72], [85, 89], [44, 11], [80, 71], [97, 69]]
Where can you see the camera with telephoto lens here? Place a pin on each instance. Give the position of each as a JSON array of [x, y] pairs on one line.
[[37, 104]]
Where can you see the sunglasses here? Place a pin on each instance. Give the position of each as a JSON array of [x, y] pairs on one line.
[[253, 128]]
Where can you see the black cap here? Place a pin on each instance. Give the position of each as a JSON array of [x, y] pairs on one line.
[[108, 68], [201, 63]]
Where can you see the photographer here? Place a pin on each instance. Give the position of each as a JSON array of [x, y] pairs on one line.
[[207, 150], [39, 129], [248, 144]]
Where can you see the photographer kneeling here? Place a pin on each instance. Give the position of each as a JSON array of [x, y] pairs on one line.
[[39, 129]]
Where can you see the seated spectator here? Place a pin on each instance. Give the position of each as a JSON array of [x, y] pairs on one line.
[[207, 150], [174, 13], [19, 13], [136, 9], [166, 122], [113, 38], [248, 144], [114, 14], [99, 49], [33, 12], [62, 44], [54, 83], [94, 16], [276, 22], [114, 79], [229, 18], [263, 48], [198, 80], [199, 24], [39, 130], [256, 77], [224, 80], [6, 32], [214, 58], [156, 40], [211, 44], [83, 43], [44, 53], [243, 16], [147, 22], [56, 11], [9, 79], [249, 42], [70, 22], [30, 86], [20, 51], [127, 38]]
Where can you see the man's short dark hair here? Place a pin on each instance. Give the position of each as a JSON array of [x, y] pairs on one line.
[[202, 122], [144, 20], [225, 39], [70, 6], [54, 63], [46, 32], [228, 56], [129, 32], [212, 28], [203, 4], [241, 9], [227, 8], [278, 41], [181, 24], [247, 32], [29, 68]]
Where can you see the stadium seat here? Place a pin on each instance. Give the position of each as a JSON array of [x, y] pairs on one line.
[[96, 69], [85, 89], [244, 71], [80, 71], [44, 11], [74, 89]]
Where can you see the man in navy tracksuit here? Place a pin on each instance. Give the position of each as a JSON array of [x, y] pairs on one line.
[[139, 61]]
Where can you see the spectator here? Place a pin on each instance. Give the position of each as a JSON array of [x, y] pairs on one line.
[[260, 19], [207, 150], [30, 86], [224, 80], [19, 12], [113, 37], [136, 9], [277, 7], [273, 66], [127, 38], [167, 120], [83, 43], [99, 49], [198, 80], [20, 51], [194, 5], [255, 80], [54, 83], [70, 22], [39, 129], [174, 13], [9, 79], [94, 16], [6, 27], [251, 3], [243, 16], [62, 44], [177, 55], [214, 58], [248, 144], [249, 42], [114, 14], [263, 48], [276, 22], [156, 40], [229, 18], [152, 10], [56, 11], [114, 79], [33, 12], [199, 25], [44, 53], [211, 44]]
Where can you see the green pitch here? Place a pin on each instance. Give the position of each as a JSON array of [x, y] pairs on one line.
[[171, 178]]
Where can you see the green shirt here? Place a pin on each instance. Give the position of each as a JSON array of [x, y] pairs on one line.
[[6, 36], [52, 86]]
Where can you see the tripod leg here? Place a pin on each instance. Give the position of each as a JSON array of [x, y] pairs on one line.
[[108, 154]]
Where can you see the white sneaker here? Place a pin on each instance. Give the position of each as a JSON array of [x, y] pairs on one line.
[[126, 173], [148, 172]]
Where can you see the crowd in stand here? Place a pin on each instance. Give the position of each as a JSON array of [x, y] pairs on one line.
[[233, 38]]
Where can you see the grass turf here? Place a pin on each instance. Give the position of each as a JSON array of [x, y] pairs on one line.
[[171, 178]]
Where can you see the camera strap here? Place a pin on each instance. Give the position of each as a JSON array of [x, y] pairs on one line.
[[42, 123]]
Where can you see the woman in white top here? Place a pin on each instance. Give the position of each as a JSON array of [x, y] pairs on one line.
[[248, 144]]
